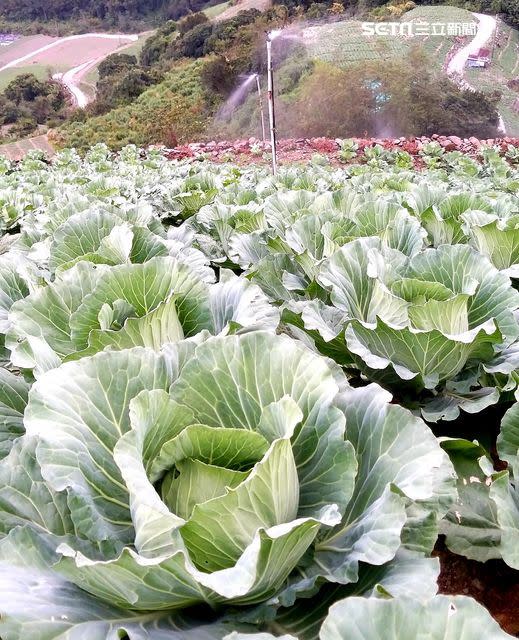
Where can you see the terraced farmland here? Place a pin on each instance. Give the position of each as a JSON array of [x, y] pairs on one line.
[[346, 43]]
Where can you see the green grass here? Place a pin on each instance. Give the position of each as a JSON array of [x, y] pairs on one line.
[[508, 55], [216, 10], [39, 70], [438, 47], [135, 48]]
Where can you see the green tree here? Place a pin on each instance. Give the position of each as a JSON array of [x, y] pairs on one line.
[[25, 88], [191, 21], [115, 64]]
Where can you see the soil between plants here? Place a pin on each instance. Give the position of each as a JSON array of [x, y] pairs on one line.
[[492, 583]]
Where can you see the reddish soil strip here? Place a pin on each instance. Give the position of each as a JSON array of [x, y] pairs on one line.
[[252, 151], [17, 150]]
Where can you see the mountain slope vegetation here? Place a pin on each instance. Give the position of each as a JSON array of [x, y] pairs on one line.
[[75, 15], [382, 92]]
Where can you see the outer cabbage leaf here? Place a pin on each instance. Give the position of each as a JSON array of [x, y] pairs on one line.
[[120, 503], [496, 238], [442, 618], [40, 334], [431, 321], [471, 526], [407, 575], [504, 491], [14, 393], [102, 237], [39, 605], [119, 524]]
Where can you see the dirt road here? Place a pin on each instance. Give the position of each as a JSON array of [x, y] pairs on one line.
[[486, 28], [53, 52], [72, 79], [243, 5], [456, 67]]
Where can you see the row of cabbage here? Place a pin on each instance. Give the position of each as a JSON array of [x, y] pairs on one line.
[[213, 392]]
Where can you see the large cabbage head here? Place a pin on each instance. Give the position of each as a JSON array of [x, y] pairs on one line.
[[424, 324], [211, 472]]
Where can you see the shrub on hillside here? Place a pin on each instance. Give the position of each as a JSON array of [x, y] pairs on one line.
[[156, 45], [175, 108], [121, 80], [191, 21], [193, 43], [218, 76]]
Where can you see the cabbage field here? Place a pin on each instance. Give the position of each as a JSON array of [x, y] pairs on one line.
[[238, 406]]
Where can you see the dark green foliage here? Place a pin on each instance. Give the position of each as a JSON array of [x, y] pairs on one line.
[[292, 71], [116, 63], [121, 80], [198, 37], [343, 102], [25, 88], [9, 111], [68, 9], [61, 17], [156, 45], [191, 21], [317, 10], [219, 76], [193, 43], [27, 102]]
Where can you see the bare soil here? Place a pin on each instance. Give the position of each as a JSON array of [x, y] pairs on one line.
[[17, 150], [492, 583], [73, 53], [23, 47]]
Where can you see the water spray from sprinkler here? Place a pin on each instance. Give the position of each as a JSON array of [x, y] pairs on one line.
[[262, 114], [270, 93]]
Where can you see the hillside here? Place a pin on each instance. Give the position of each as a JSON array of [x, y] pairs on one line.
[[344, 43], [157, 116], [302, 50], [147, 104]]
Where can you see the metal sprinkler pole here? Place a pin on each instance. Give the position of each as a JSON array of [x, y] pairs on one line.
[[260, 98], [270, 93]]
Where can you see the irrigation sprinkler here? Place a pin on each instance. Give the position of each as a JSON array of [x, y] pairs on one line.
[[270, 94], [260, 100]]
